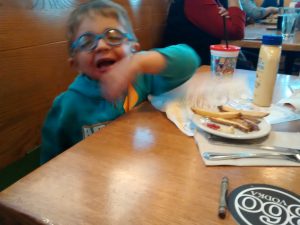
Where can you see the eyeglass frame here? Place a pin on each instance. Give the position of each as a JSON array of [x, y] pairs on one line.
[[75, 44]]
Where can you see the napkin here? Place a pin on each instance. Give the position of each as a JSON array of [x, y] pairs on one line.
[[281, 139], [287, 109], [279, 113], [176, 109], [180, 114], [292, 102]]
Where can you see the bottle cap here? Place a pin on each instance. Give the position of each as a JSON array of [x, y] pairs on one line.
[[272, 39]]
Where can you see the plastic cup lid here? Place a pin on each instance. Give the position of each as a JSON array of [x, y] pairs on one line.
[[231, 48]]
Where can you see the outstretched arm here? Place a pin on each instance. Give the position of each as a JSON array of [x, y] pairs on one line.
[[255, 12], [175, 64]]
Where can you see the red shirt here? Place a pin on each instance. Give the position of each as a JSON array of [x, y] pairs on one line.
[[201, 13]]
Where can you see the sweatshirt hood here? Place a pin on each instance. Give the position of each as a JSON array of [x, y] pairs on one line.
[[86, 86]]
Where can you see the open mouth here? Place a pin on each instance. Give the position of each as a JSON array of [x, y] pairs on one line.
[[104, 64]]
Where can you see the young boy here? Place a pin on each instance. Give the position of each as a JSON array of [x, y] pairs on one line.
[[113, 78]]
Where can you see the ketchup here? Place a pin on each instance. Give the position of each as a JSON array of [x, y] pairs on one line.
[[213, 126]]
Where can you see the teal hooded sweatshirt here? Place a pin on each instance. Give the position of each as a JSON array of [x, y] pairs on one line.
[[81, 110]]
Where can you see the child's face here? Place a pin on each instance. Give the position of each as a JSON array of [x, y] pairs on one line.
[[100, 60]]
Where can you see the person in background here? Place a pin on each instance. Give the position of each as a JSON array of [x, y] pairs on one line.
[[199, 23], [254, 12], [113, 76]]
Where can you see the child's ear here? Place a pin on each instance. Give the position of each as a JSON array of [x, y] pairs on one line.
[[73, 63], [135, 47]]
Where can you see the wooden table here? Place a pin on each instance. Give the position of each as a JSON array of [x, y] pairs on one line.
[[255, 31], [140, 169]]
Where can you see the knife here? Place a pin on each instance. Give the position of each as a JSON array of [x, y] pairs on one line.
[[218, 141], [243, 155]]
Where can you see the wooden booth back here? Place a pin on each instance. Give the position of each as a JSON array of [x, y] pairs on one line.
[[34, 67]]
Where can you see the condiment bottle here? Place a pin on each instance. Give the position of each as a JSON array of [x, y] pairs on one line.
[[266, 71]]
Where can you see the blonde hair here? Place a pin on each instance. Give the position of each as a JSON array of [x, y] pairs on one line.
[[105, 8]]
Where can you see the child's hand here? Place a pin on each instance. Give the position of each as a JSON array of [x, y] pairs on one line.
[[223, 12], [115, 82]]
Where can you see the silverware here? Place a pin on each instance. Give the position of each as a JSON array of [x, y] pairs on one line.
[[250, 145], [242, 155]]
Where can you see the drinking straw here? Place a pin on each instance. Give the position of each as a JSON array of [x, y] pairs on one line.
[[224, 24], [225, 31]]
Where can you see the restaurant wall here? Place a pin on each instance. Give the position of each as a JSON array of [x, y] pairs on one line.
[[33, 63]]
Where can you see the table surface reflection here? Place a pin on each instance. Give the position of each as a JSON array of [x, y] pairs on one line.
[[139, 169]]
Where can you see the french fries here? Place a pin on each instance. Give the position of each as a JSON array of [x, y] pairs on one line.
[[233, 123], [225, 115], [243, 120], [245, 113]]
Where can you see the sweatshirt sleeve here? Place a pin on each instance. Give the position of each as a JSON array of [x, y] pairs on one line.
[[57, 131], [182, 62], [205, 15], [252, 10], [51, 134]]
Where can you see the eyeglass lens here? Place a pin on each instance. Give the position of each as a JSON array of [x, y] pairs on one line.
[[89, 41]]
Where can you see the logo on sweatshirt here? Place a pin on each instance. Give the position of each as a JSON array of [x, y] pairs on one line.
[[89, 130]]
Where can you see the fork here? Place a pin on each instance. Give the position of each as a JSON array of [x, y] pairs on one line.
[[242, 155]]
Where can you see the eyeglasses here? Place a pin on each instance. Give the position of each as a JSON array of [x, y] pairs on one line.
[[89, 41]]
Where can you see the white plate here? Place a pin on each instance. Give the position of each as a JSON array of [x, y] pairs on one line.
[[264, 129]]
